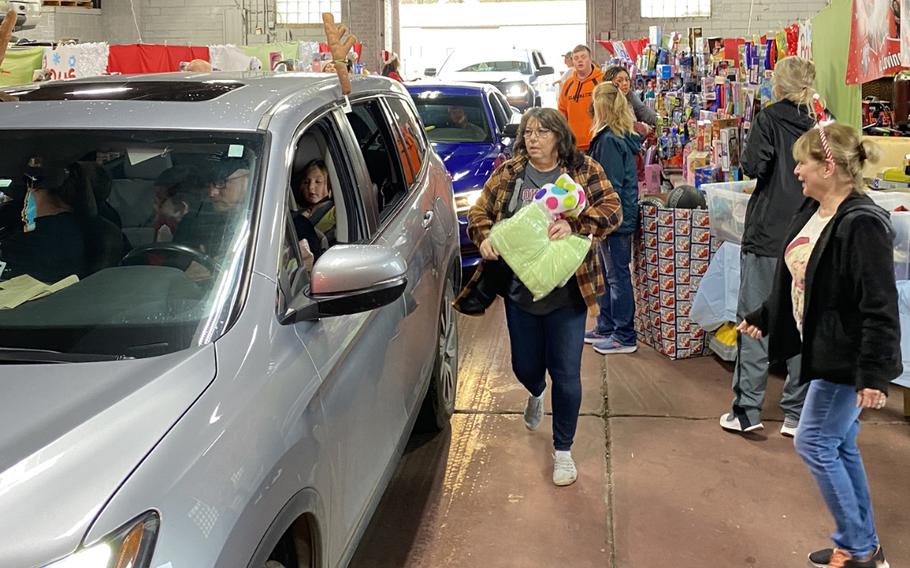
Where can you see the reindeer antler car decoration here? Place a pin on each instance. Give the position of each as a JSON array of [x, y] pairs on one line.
[[333, 34]]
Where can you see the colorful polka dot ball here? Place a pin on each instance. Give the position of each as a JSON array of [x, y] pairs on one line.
[[565, 198]]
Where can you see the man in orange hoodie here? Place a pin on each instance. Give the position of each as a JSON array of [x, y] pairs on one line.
[[575, 95]]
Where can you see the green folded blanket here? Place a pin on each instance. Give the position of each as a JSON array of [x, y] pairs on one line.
[[541, 264]]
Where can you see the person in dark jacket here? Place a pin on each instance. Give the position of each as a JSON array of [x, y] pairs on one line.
[[619, 76], [55, 247], [776, 198], [615, 146], [834, 301]]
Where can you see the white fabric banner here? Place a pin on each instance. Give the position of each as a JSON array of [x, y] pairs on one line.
[[231, 58], [75, 61]]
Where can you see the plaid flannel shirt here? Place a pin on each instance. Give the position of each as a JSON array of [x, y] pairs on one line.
[[600, 218]]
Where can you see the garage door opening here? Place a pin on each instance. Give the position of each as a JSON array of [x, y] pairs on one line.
[[446, 36]]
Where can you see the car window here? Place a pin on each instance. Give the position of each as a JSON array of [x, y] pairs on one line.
[[522, 67], [453, 118], [412, 146], [538, 58], [505, 104], [499, 113], [321, 188], [294, 265], [380, 154], [127, 243]]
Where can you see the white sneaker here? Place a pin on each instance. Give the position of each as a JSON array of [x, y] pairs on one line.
[[730, 422], [789, 427], [534, 411], [564, 472]]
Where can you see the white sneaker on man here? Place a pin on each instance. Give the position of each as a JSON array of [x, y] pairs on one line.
[[564, 472]]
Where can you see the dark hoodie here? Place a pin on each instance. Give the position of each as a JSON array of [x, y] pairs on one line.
[[768, 158], [617, 156], [851, 330]]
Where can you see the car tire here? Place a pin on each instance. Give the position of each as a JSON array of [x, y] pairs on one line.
[[439, 404]]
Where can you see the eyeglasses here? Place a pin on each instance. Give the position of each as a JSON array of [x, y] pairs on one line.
[[221, 184], [539, 132]]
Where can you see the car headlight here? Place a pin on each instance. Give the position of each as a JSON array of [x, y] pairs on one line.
[[130, 546], [516, 90], [465, 200]]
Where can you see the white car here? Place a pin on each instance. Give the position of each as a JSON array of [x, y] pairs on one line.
[[518, 73], [27, 12]]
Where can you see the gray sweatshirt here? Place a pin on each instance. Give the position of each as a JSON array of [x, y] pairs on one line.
[[642, 112]]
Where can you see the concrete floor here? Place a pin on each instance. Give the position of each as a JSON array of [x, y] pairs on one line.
[[660, 484]]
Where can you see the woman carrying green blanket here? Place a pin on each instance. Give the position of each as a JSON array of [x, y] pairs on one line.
[[548, 335]]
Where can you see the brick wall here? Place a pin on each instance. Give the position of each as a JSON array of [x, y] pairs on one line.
[[196, 22], [57, 23], [729, 18]]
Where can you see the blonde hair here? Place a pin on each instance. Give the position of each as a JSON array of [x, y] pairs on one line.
[[794, 80], [611, 110], [849, 150]]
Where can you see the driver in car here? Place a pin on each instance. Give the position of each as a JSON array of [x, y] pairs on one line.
[[458, 118], [210, 228]]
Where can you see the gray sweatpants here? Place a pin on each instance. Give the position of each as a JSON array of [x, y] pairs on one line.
[[750, 376]]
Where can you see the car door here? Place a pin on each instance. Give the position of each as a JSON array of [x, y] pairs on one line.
[[422, 224], [362, 397], [406, 218]]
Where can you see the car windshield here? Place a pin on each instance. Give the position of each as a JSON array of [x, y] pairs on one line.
[[500, 66], [124, 244], [450, 118]]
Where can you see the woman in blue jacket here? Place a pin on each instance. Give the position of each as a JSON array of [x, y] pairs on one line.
[[614, 146]]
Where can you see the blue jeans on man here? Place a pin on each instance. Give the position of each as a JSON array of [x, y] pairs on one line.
[[617, 305], [550, 343], [826, 441]]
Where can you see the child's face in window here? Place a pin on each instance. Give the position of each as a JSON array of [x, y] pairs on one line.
[[315, 186]]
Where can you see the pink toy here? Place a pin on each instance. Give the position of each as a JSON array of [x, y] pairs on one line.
[[565, 198]]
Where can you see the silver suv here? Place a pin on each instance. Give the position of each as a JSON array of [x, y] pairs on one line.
[[27, 12], [180, 388]]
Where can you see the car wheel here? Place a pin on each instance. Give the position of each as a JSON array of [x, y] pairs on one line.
[[439, 404]]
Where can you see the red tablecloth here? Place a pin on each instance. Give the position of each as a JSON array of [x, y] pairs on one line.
[[141, 58]]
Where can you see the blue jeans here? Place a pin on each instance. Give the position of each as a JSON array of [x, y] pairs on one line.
[[617, 305], [826, 441], [550, 343]]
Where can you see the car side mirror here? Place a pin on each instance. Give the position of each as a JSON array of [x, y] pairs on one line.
[[545, 70], [510, 130], [350, 279], [430, 71]]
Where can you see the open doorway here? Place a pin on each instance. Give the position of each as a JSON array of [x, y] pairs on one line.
[[438, 36]]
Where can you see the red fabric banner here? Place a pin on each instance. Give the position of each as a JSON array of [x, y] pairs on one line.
[[874, 41], [140, 58], [632, 47]]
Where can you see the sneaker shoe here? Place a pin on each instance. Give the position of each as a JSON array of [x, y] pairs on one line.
[[592, 336], [564, 472], [534, 411], [788, 428], [730, 422], [822, 559], [610, 346]]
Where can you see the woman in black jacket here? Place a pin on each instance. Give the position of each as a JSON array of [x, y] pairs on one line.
[[834, 301], [776, 198]]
